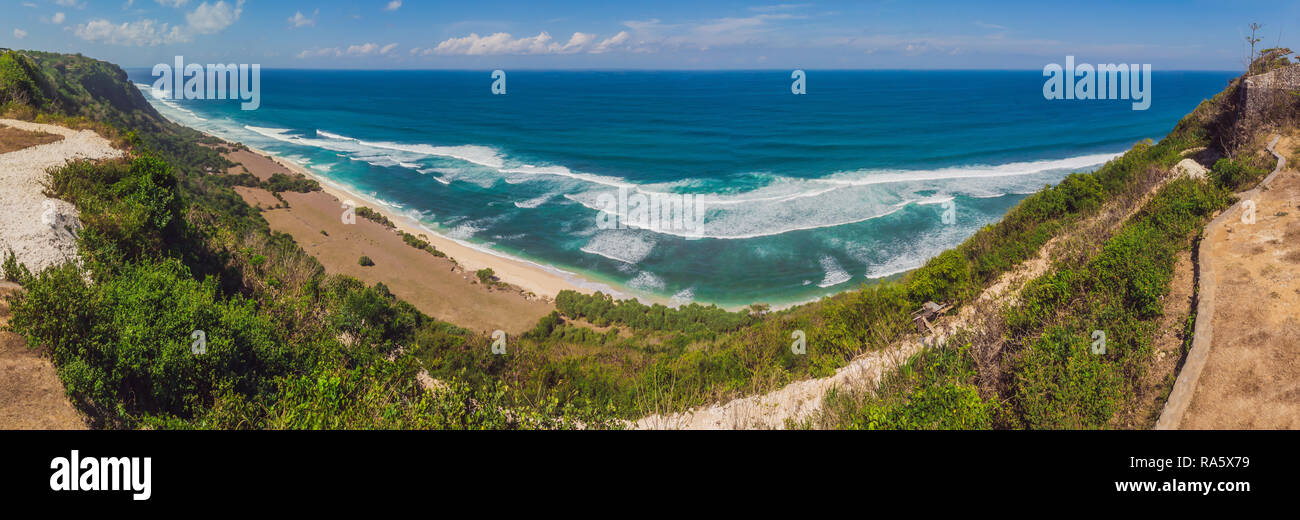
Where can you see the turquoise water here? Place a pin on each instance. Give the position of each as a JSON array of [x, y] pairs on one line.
[[799, 196]]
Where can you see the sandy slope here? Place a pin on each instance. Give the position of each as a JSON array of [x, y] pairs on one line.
[[529, 276], [34, 226], [436, 286]]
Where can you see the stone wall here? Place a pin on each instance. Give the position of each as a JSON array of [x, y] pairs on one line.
[[1263, 91]]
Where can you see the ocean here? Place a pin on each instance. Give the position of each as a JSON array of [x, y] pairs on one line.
[[864, 177]]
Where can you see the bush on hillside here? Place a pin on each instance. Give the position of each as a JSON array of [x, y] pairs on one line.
[[1235, 174]]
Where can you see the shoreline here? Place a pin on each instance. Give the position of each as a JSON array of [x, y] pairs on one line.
[[542, 280], [550, 277]]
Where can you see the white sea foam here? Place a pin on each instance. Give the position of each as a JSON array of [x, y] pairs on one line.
[[646, 281], [868, 177], [560, 171], [683, 297], [835, 274], [780, 205], [481, 155], [534, 202], [465, 230], [623, 245]]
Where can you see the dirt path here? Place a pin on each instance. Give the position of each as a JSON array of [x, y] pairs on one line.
[[1249, 352], [799, 400], [31, 394], [39, 229]]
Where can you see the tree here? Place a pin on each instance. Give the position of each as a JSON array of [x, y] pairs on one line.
[[1252, 40]]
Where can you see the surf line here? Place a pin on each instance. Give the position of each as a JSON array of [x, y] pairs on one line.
[[659, 212]]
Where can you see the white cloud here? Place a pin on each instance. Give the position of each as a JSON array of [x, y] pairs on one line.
[[172, 3], [30, 4], [364, 49], [394, 5], [137, 33], [616, 41], [58, 18], [205, 19], [214, 18], [504, 43], [298, 20], [19, 33], [70, 3]]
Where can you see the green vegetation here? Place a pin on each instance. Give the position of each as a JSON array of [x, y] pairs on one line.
[[288, 346], [375, 216], [1235, 174], [365, 261], [1045, 373], [18, 81], [184, 311], [299, 183], [932, 391], [14, 271], [1059, 382], [418, 243]]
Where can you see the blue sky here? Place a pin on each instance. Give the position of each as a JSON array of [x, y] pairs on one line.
[[661, 34]]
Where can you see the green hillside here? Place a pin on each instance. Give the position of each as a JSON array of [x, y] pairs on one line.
[[169, 248]]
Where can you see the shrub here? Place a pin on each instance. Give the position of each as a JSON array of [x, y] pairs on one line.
[[15, 271], [1235, 174], [418, 243], [126, 345], [946, 277], [375, 216], [279, 182], [941, 407], [1079, 391], [365, 261]]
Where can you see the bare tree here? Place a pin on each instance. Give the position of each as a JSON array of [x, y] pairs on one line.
[[1252, 40]]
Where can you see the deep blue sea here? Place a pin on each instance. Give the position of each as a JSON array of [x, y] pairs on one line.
[[800, 195]]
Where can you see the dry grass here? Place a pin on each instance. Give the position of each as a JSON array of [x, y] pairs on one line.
[[13, 139]]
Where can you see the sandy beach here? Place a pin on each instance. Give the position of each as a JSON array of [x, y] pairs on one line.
[[445, 288]]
